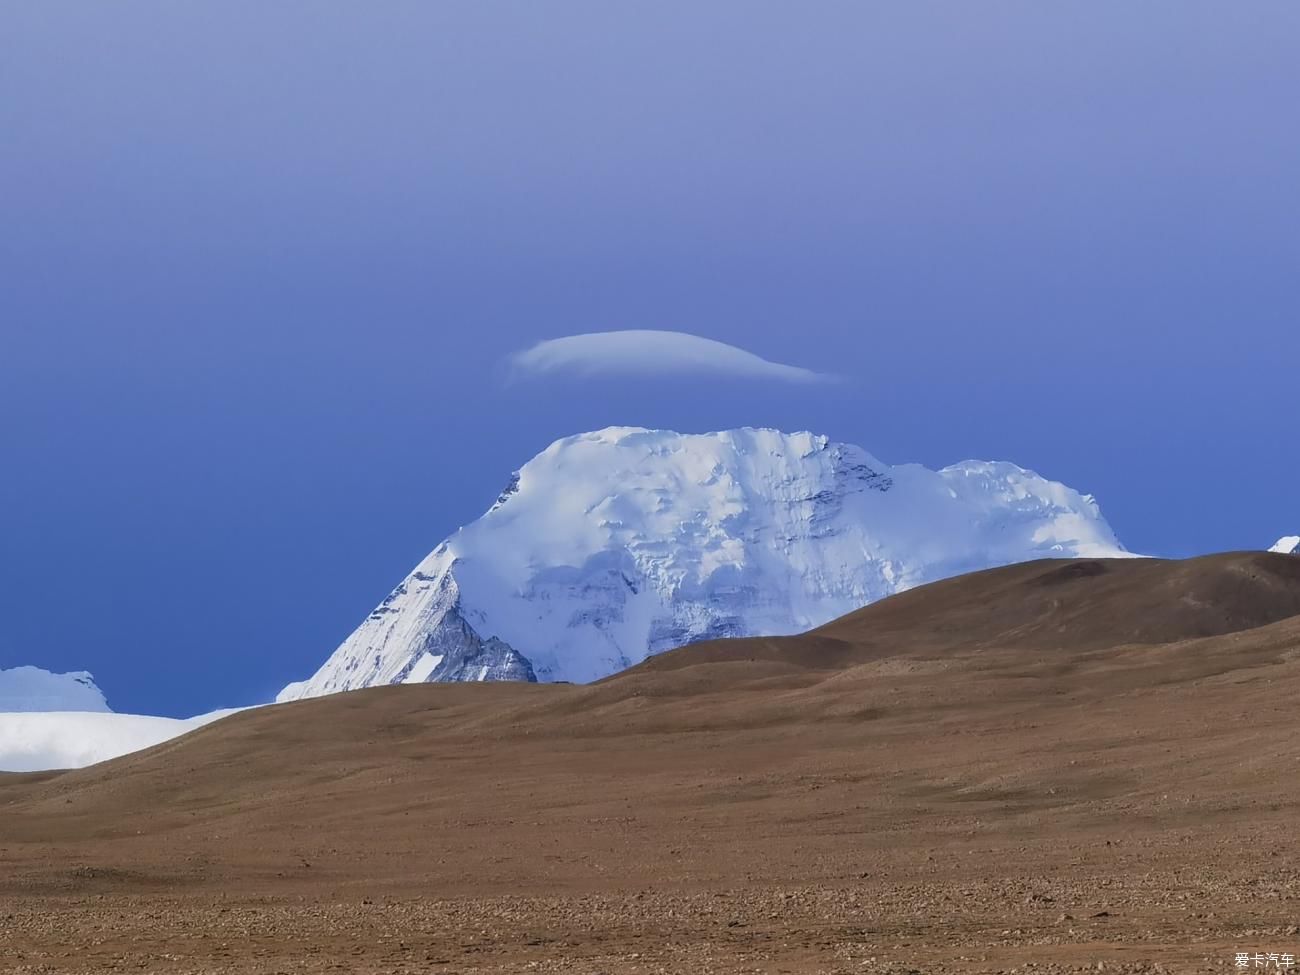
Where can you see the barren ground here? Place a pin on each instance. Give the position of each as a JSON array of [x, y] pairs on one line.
[[1053, 767]]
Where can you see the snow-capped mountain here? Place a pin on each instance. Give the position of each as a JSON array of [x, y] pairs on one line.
[[611, 546], [34, 689], [1287, 545]]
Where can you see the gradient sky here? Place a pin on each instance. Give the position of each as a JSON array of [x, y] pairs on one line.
[[261, 264]]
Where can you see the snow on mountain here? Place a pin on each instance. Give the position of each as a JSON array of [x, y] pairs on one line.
[[34, 689], [610, 546], [32, 741], [1287, 545], [52, 721]]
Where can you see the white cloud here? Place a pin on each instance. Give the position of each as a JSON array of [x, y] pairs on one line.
[[649, 352]]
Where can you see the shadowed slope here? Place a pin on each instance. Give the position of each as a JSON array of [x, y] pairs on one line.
[[1071, 605]]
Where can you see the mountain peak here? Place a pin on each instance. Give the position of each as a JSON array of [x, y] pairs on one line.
[[612, 545], [34, 689], [1287, 545]]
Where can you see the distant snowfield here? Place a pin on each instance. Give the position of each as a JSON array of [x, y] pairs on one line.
[[32, 741], [58, 721]]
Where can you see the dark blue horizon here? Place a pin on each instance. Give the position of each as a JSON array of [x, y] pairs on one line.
[[262, 263]]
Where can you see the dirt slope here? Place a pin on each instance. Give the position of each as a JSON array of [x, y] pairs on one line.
[[1054, 764]]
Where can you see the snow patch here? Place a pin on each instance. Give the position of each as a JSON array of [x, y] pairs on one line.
[[34, 741], [422, 668]]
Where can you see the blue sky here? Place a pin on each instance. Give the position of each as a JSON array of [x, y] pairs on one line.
[[261, 266]]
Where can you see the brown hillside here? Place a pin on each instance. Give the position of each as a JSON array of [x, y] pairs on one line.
[[1052, 764]]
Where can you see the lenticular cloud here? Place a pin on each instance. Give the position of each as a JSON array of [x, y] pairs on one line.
[[649, 352]]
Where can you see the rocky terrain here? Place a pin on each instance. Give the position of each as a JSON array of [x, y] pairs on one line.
[[1062, 766]]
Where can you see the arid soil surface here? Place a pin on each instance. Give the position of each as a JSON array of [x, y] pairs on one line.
[[1061, 766]]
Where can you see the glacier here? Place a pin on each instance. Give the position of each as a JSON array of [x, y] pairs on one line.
[[613, 545]]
